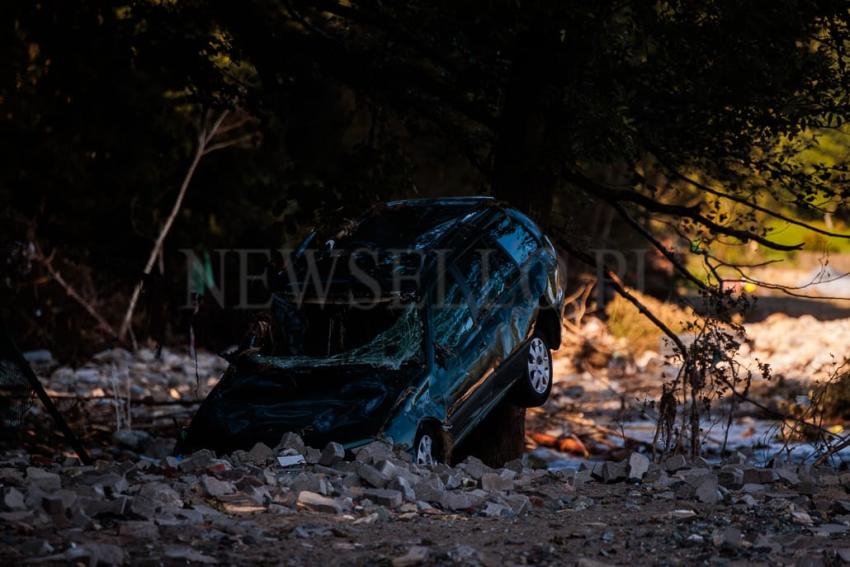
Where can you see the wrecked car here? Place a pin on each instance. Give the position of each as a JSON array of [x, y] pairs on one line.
[[409, 324]]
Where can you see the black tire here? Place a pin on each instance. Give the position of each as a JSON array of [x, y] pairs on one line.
[[429, 446], [533, 387]]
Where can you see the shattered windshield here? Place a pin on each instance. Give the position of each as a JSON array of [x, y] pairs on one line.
[[387, 335]]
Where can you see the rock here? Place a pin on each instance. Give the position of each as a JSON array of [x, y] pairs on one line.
[[801, 517], [95, 553], [675, 463], [216, 488], [197, 461], [42, 479], [638, 466], [42, 357], [312, 455], [332, 454], [613, 471], [475, 468], [291, 441], [311, 482], [260, 455], [496, 510], [317, 503], [519, 503], [457, 500], [729, 538], [413, 556], [759, 476], [155, 496], [788, 476], [707, 491], [431, 490], [373, 452], [139, 530], [13, 499], [384, 497], [497, 482], [371, 475], [404, 486], [131, 438]]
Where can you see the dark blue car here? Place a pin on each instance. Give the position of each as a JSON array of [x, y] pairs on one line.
[[409, 324]]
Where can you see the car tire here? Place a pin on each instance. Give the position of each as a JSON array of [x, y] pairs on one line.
[[534, 385], [428, 447]]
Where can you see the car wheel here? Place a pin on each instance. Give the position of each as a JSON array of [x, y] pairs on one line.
[[427, 449], [535, 384]]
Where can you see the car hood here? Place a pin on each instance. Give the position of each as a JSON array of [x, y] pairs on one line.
[[257, 400]]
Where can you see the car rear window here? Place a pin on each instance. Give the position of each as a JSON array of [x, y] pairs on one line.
[[515, 239]]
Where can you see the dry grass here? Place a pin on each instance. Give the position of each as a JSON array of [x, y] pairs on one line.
[[625, 321]]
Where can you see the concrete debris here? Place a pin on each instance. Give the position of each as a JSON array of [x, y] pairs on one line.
[[416, 555], [638, 466], [332, 454], [317, 503]]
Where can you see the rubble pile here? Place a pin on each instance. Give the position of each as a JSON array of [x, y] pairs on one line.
[[205, 508], [160, 376]]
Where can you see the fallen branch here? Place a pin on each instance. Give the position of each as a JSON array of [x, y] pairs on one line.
[[47, 262]]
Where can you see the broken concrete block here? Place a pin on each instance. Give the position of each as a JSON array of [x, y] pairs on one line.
[[496, 482], [475, 468], [759, 476], [373, 452], [260, 455], [431, 490], [332, 454], [404, 486], [317, 503], [788, 476], [312, 455], [707, 491], [292, 441], [43, 479], [13, 499], [676, 463], [311, 483], [457, 500], [216, 488], [519, 503], [133, 439], [614, 471], [638, 466], [370, 475], [496, 510], [384, 497]]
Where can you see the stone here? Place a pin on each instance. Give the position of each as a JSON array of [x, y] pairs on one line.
[[475, 468], [788, 476], [496, 510], [332, 454], [638, 466], [312, 455], [613, 471], [292, 441], [139, 530], [373, 452], [457, 500], [404, 486], [131, 438], [384, 497], [317, 503], [197, 461], [260, 455], [311, 482], [519, 503], [431, 490], [675, 463], [707, 491], [13, 499], [370, 475], [43, 479], [416, 555], [497, 482], [216, 488], [759, 476]]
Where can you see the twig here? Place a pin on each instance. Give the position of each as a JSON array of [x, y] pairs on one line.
[[47, 262]]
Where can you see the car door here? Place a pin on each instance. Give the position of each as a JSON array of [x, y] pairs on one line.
[[486, 277]]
